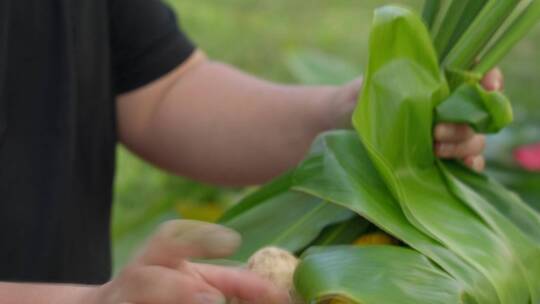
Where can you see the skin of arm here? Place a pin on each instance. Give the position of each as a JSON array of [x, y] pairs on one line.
[[211, 122], [19, 293]]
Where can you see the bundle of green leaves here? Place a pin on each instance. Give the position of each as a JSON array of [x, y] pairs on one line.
[[464, 238]]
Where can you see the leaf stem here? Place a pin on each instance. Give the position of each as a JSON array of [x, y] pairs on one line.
[[431, 10], [479, 33], [517, 30], [450, 21], [459, 17]]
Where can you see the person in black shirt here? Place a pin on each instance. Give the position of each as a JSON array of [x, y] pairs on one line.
[[76, 78]]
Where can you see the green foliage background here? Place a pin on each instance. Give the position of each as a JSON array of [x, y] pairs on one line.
[[259, 36]]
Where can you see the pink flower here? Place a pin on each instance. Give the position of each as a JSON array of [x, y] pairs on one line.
[[528, 157]]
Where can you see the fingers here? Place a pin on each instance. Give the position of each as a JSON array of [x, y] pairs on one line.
[[154, 284], [242, 284], [460, 141], [494, 80], [472, 147], [161, 274], [180, 239], [453, 133]]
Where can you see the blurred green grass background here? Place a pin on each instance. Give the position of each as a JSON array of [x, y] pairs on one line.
[[258, 36]]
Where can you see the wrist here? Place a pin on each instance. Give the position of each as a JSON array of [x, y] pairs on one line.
[[81, 295], [339, 104]]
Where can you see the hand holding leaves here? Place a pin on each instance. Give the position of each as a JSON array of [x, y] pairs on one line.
[[459, 140], [451, 140]]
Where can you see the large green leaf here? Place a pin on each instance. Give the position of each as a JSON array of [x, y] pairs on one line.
[[344, 233], [526, 183], [492, 205], [289, 220], [504, 201], [403, 86], [338, 169], [278, 186], [377, 274]]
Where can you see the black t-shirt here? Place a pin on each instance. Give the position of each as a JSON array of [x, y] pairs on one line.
[[62, 63]]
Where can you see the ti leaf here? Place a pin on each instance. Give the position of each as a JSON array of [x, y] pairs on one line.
[[403, 86], [485, 112], [387, 275], [289, 220], [338, 169]]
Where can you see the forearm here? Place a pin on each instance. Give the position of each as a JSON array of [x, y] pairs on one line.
[[19, 293], [220, 125]]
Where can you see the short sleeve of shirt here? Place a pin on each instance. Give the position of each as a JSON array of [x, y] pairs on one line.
[[146, 42]]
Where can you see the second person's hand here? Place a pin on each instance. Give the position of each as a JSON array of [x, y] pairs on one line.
[[163, 273]]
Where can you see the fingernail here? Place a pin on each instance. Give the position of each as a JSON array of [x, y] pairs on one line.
[[209, 298], [224, 239], [211, 237]]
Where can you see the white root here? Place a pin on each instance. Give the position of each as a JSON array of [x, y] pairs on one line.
[[277, 266]]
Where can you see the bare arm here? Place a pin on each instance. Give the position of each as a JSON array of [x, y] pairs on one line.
[[19, 293], [214, 123]]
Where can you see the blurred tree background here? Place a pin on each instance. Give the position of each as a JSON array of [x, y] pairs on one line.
[[269, 38]]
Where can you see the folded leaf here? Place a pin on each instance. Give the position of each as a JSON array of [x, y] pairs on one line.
[[387, 275], [275, 216], [338, 169], [485, 112]]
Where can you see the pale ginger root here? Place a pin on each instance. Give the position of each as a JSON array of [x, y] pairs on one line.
[[277, 266]]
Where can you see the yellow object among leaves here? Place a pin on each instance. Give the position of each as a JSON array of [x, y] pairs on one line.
[[375, 238], [200, 211]]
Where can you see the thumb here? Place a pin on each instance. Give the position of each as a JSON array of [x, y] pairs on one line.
[[178, 240]]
